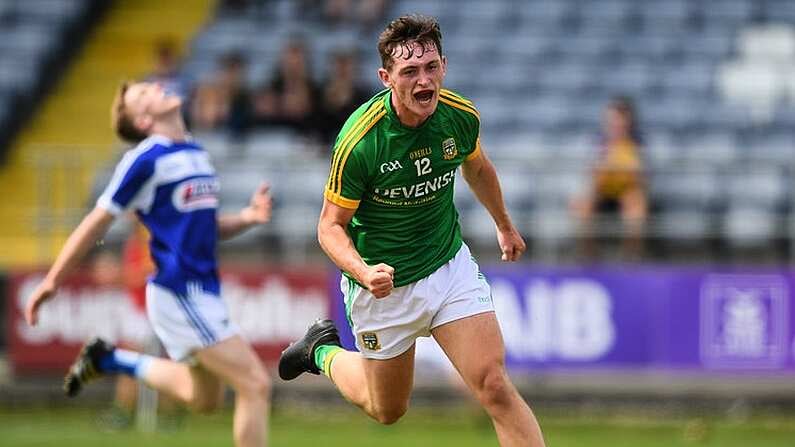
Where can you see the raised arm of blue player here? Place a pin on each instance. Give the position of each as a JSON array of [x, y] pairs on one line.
[[257, 212], [85, 236], [481, 176]]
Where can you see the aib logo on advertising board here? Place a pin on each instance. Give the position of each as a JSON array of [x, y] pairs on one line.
[[744, 321]]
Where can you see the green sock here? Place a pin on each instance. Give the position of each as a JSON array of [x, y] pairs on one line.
[[323, 356]]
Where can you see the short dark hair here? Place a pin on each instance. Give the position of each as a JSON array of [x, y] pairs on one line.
[[625, 106], [120, 120], [405, 31]]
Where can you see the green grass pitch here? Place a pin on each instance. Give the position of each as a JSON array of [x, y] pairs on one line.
[[343, 427]]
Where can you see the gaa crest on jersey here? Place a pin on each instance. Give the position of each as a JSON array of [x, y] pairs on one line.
[[449, 150], [370, 341], [195, 194]]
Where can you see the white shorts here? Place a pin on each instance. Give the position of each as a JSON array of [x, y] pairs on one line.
[[185, 325], [386, 327]]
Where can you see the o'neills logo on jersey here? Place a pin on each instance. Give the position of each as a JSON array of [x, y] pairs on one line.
[[449, 151], [196, 194]]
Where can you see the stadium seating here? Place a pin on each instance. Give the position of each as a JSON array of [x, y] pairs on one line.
[[540, 73], [33, 34]]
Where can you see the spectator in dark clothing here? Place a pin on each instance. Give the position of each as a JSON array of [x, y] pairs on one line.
[[289, 99], [166, 70], [341, 95], [362, 13], [223, 101]]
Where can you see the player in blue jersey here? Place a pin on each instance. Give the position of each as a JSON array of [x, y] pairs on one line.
[[169, 181]]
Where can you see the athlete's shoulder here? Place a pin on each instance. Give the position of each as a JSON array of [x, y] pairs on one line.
[[457, 105], [149, 149]]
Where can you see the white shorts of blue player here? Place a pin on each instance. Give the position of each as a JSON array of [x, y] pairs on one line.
[[186, 324]]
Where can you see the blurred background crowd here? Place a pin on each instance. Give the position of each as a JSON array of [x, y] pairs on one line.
[[630, 134], [623, 130]]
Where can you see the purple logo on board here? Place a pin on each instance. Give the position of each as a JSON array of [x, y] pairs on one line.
[[744, 321]]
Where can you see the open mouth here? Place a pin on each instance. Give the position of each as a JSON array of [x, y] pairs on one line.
[[424, 96]]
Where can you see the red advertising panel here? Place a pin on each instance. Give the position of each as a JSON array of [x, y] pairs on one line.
[[271, 307]]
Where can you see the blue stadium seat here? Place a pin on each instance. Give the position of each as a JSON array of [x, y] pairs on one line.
[[782, 11], [659, 149], [545, 113], [587, 50], [20, 77], [692, 79], [707, 48], [27, 40], [476, 15], [528, 46], [668, 17], [543, 15], [777, 148], [219, 145], [627, 79], [764, 187], [238, 182], [725, 116], [784, 117], [522, 146], [297, 224], [271, 144], [55, 13], [728, 13], [712, 148], [565, 79], [680, 189], [558, 184], [672, 113], [606, 13], [655, 49], [517, 186], [751, 227], [683, 225], [551, 226]]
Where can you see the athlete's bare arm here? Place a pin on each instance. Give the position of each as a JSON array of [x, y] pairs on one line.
[[90, 230], [257, 212], [482, 178], [335, 241]]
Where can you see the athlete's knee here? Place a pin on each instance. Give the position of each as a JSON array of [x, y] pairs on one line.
[[262, 386], [257, 385], [493, 388], [391, 413]]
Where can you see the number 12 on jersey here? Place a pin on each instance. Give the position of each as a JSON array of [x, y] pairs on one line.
[[423, 166]]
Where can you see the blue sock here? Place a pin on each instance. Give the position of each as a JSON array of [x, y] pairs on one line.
[[122, 361]]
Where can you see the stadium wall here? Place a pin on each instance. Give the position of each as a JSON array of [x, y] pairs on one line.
[[661, 319]]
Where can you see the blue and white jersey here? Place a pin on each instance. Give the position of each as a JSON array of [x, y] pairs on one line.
[[173, 189]]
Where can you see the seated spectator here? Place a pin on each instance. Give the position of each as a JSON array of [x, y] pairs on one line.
[[223, 101], [341, 95], [289, 98], [166, 70], [233, 6], [365, 13], [617, 183], [166, 73]]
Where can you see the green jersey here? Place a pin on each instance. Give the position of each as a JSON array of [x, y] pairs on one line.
[[400, 182]]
